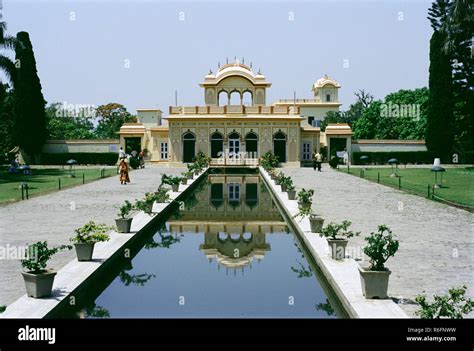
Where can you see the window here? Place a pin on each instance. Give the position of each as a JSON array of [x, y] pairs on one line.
[[317, 123], [164, 151], [328, 97], [310, 120], [234, 192], [306, 151]]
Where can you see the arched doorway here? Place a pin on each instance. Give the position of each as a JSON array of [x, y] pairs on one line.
[[217, 145], [234, 145], [247, 98], [189, 147], [279, 146], [235, 98], [222, 98], [251, 145]]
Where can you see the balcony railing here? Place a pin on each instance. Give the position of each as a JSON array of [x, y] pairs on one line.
[[234, 109]]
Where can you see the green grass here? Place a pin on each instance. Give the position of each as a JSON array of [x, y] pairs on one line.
[[458, 183], [44, 180]]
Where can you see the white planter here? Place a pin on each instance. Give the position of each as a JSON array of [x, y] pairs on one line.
[[39, 285], [374, 283], [337, 248]]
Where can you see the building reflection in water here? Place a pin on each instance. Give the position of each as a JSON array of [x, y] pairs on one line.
[[235, 213]]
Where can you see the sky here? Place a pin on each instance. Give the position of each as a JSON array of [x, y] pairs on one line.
[[138, 53]]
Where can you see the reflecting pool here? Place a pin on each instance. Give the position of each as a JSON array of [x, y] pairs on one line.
[[225, 251]]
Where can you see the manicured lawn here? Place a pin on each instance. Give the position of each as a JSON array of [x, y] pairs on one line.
[[458, 183], [46, 179]]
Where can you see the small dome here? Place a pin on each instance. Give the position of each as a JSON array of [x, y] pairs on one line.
[[325, 81]]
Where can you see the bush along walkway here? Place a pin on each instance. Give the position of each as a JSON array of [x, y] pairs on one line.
[[435, 240]]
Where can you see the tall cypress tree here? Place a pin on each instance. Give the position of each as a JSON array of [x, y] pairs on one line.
[[440, 125], [30, 116]]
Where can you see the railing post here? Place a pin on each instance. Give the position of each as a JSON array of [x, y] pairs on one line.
[[83, 178], [22, 192], [428, 191], [399, 183], [378, 177], [59, 183]]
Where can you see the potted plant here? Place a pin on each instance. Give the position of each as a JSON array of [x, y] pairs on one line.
[[174, 181], [315, 221], [124, 223], [184, 178], [188, 174], [87, 236], [337, 236], [268, 160], [305, 198], [39, 280], [291, 191], [374, 279], [274, 174], [285, 183]]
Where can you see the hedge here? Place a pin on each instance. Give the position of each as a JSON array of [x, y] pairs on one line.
[[382, 157], [91, 158]]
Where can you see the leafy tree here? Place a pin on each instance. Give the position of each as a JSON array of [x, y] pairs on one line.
[[6, 64], [30, 116], [7, 105], [355, 111], [439, 132], [401, 115], [110, 119], [67, 127]]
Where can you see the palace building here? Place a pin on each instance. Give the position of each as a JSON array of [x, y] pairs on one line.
[[235, 126]]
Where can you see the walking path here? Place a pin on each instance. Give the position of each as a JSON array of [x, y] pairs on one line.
[[54, 217], [436, 241]]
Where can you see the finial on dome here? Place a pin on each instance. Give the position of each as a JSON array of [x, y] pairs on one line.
[[243, 60], [210, 71], [259, 71], [250, 64], [218, 64], [227, 60]]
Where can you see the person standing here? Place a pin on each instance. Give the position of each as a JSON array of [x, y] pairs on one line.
[[141, 159], [123, 171], [121, 153], [319, 160], [315, 163]]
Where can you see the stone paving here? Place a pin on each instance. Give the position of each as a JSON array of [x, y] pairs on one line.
[[436, 241], [54, 217]]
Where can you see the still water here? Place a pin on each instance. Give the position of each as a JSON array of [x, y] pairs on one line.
[[225, 252]]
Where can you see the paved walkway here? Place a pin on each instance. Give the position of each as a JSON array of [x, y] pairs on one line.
[[54, 217], [436, 241]]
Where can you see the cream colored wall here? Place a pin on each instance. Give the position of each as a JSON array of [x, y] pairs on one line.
[[317, 112], [149, 117], [156, 138], [264, 130]]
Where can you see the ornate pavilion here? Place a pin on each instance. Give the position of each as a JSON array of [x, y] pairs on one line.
[[235, 125]]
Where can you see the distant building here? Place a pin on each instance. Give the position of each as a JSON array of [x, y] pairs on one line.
[[235, 126]]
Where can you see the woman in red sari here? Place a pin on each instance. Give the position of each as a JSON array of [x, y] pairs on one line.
[[123, 170]]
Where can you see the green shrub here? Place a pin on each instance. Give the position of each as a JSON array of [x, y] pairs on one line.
[[39, 254], [125, 209], [334, 162], [134, 162], [338, 231], [453, 305], [91, 232], [381, 246], [382, 157], [82, 158], [268, 160], [305, 196]]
